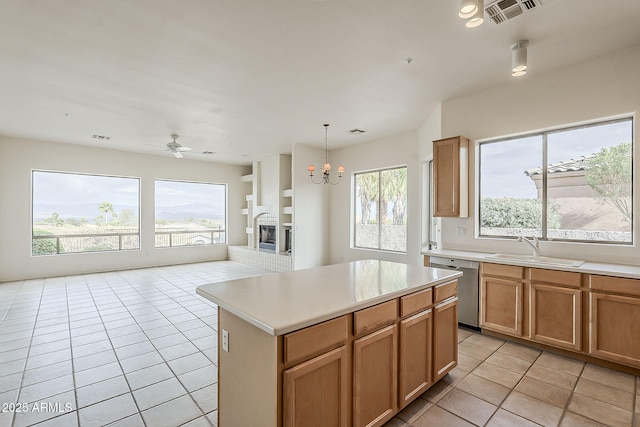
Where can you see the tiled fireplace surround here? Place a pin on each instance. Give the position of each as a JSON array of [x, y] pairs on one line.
[[253, 256]]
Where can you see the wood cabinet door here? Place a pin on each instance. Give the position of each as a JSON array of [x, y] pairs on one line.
[[615, 328], [445, 337], [315, 393], [446, 177], [555, 316], [501, 305], [450, 177], [375, 379], [415, 375]]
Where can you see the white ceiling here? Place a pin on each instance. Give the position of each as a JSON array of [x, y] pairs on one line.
[[248, 78]]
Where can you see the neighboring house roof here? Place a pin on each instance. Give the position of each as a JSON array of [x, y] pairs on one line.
[[572, 165]]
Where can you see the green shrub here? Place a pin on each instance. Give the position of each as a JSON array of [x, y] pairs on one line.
[[42, 246], [508, 212]]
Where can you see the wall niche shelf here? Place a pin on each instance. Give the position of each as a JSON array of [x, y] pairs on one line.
[[269, 191]]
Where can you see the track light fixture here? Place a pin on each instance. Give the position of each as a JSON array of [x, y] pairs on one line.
[[468, 8], [478, 17], [519, 58]]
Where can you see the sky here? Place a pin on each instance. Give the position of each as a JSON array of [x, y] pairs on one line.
[[59, 188], [174, 193], [503, 164], [78, 195]]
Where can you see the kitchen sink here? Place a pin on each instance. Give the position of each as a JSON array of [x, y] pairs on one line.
[[543, 260]]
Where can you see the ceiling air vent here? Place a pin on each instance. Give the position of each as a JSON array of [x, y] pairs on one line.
[[101, 137], [502, 10]]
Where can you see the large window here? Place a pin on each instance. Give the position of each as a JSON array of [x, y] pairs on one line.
[[83, 213], [572, 184], [380, 218], [190, 213]]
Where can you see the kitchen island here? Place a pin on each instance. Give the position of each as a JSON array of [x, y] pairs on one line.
[[344, 344]]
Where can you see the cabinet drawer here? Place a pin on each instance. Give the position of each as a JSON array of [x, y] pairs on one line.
[[375, 317], [415, 302], [512, 271], [565, 278], [618, 285], [442, 292], [310, 341]]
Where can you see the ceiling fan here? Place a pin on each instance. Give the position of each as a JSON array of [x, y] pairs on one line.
[[176, 148]]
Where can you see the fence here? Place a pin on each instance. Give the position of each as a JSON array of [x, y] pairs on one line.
[[119, 240]]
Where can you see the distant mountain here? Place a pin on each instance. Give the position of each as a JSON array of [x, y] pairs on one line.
[[193, 210], [90, 211]]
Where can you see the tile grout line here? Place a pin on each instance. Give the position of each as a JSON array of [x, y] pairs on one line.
[[573, 391], [73, 369], [133, 397], [156, 349], [512, 389], [26, 359]]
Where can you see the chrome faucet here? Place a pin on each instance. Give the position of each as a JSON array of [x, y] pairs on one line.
[[535, 245]]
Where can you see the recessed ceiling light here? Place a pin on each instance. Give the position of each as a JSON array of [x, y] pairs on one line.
[[101, 137], [356, 131]]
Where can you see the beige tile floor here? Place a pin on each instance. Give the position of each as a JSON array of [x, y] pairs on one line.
[[499, 383], [138, 348], [125, 348]]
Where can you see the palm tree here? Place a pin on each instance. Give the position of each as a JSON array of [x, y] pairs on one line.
[[367, 193], [393, 189], [106, 208]]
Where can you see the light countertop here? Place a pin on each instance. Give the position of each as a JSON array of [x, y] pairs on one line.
[[280, 303], [618, 270]]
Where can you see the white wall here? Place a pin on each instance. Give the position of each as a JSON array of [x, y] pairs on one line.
[[310, 211], [397, 150], [18, 157], [605, 87], [429, 131]]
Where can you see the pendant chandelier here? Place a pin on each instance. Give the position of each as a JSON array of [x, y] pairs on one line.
[[326, 169]]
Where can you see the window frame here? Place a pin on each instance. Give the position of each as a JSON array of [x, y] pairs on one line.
[[544, 198], [355, 202], [58, 253], [226, 214]]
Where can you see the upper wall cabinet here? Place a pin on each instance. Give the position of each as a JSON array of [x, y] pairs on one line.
[[450, 177]]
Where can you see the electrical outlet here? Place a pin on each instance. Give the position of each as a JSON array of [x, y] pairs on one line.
[[225, 340]]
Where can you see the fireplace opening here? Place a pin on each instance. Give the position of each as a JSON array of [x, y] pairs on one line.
[[267, 238]]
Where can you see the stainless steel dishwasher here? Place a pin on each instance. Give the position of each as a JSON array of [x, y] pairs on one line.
[[467, 287]]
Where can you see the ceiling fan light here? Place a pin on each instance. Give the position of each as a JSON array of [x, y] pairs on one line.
[[468, 8]]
